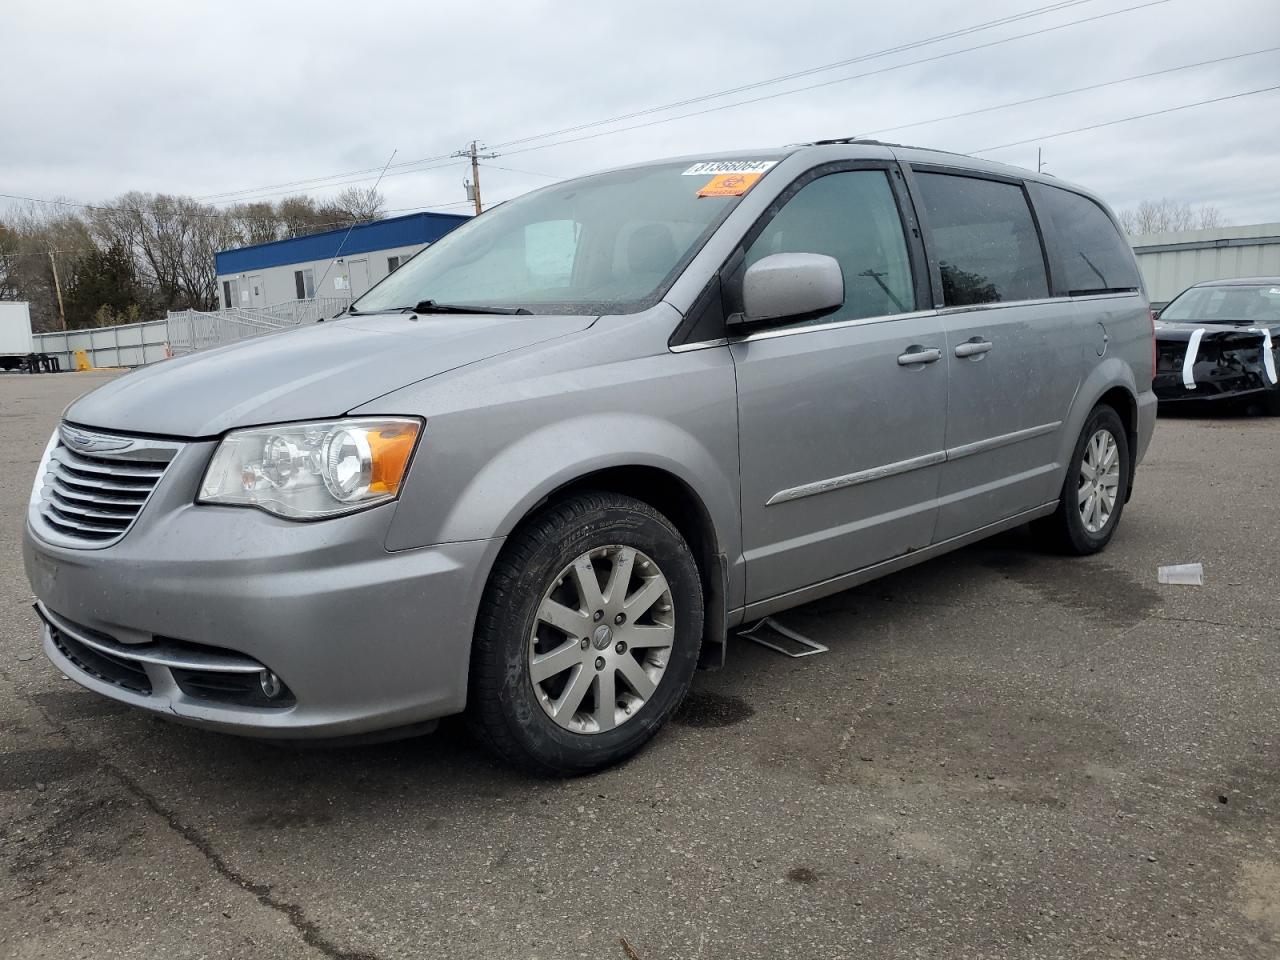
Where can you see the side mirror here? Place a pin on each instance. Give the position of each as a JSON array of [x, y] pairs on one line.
[[790, 286]]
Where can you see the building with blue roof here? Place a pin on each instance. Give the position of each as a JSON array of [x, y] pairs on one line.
[[341, 263]]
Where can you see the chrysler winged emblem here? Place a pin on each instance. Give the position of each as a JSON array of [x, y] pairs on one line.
[[84, 441]]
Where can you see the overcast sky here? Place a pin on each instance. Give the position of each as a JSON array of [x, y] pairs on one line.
[[202, 99]]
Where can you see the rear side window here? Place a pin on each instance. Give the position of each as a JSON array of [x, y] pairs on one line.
[[1090, 254], [851, 216], [983, 239]]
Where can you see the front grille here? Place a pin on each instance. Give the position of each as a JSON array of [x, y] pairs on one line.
[[90, 495]]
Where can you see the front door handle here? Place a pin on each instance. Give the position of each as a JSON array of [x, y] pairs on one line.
[[916, 354], [973, 348]]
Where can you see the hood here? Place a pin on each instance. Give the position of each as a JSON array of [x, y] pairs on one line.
[[321, 370], [1182, 329]]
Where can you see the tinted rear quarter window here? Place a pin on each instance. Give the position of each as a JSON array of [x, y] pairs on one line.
[[983, 238], [1091, 256]]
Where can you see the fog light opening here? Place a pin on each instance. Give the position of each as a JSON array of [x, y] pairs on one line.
[[270, 684]]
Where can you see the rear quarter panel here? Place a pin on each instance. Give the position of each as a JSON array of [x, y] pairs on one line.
[[1125, 363]]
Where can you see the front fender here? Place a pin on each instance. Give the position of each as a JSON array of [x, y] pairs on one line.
[[500, 440], [559, 453]]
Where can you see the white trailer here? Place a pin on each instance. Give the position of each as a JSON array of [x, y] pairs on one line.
[[16, 344]]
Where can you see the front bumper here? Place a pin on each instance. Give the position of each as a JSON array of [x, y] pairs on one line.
[[364, 639]]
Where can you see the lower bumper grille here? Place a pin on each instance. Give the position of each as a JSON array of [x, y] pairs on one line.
[[127, 674], [219, 676]]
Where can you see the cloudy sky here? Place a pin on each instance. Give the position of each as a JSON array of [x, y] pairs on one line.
[[207, 99]]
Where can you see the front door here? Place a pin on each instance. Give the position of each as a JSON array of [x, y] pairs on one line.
[[841, 429], [1015, 354], [257, 291], [359, 273]]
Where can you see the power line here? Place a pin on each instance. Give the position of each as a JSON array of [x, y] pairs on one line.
[[888, 51], [856, 76], [532, 173], [812, 86], [1064, 93], [975, 28], [1139, 116], [343, 183], [316, 180]]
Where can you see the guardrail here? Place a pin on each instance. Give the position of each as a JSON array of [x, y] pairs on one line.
[[180, 333]]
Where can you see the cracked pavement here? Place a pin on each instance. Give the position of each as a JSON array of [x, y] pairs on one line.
[[1004, 754]]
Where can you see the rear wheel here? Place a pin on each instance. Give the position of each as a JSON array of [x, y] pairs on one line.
[[1093, 493], [587, 637]]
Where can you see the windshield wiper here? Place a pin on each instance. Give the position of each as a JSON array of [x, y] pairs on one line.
[[431, 306]]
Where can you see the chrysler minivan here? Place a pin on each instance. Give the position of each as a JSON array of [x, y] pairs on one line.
[[540, 472]]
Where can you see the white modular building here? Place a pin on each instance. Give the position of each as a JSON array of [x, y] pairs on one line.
[[341, 263]]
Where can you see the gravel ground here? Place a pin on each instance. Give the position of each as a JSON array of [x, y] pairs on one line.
[[1004, 754]]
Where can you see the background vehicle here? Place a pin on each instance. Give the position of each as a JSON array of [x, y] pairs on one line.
[[542, 470], [16, 344], [1217, 345]]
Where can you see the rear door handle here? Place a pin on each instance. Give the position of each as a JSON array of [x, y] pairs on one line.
[[916, 354], [973, 348]]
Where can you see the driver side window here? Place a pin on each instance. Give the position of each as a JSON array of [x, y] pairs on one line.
[[852, 217]]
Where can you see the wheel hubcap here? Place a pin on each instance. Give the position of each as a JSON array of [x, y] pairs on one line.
[[1099, 481], [602, 639]]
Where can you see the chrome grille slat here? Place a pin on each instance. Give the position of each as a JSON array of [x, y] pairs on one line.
[[107, 487], [71, 519], [77, 498], [90, 497], [66, 507], [99, 469]]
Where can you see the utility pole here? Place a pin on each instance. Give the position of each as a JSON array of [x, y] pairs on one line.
[[1039, 160], [57, 286], [473, 188]]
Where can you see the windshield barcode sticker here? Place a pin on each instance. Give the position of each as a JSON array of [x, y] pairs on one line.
[[716, 167]]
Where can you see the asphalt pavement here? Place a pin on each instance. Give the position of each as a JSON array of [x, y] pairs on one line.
[[1004, 754]]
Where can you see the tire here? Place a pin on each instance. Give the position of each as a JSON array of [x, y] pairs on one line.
[[1066, 529], [553, 721]]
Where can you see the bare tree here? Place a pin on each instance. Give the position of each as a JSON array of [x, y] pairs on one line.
[[356, 204], [141, 254], [1164, 215]]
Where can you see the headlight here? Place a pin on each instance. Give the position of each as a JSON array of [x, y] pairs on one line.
[[308, 471]]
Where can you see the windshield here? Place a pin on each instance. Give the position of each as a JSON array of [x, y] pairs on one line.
[[1236, 303], [610, 243]]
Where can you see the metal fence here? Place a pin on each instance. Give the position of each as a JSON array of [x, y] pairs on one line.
[[181, 332], [130, 345]]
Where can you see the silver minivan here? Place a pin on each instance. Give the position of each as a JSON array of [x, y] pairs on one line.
[[541, 472]]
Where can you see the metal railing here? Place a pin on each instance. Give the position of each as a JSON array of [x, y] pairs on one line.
[[181, 332]]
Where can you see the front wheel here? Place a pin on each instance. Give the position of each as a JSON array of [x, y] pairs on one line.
[[587, 637], [1093, 493]]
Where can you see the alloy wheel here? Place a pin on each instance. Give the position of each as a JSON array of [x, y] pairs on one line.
[[602, 639], [1099, 481]]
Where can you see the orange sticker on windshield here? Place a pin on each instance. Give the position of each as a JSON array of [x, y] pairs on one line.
[[729, 184]]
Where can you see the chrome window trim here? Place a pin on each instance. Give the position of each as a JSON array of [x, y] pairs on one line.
[[913, 463], [1000, 305], [1123, 295], [802, 328], [887, 318]]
